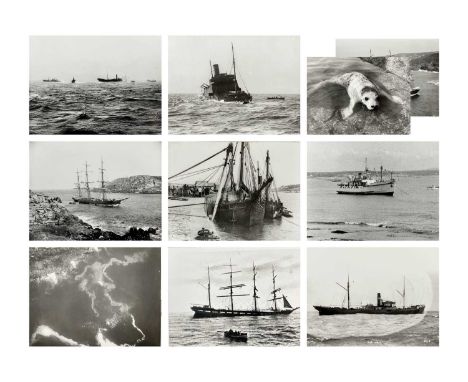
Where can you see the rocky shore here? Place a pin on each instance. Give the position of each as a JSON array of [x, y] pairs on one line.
[[50, 220]]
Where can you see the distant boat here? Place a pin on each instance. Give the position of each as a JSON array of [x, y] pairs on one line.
[[51, 80], [73, 80], [278, 98], [151, 80], [116, 79], [415, 91], [433, 187]]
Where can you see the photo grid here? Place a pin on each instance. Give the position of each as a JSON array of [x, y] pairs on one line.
[[272, 198]]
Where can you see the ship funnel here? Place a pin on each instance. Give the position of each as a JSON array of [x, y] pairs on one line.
[[216, 69], [379, 300]]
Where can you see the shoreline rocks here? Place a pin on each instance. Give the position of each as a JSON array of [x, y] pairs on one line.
[[50, 220]]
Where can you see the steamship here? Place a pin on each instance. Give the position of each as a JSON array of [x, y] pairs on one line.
[[382, 307]]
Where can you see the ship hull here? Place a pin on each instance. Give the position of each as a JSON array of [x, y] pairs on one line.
[[381, 188], [241, 97], [98, 202], [206, 312], [237, 212], [332, 310], [111, 80]]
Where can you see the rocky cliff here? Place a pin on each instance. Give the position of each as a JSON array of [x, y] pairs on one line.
[[138, 184]]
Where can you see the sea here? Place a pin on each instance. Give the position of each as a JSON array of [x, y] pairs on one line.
[[185, 222], [427, 103], [110, 108], [411, 214], [94, 297], [190, 114], [184, 330], [373, 330], [139, 210]]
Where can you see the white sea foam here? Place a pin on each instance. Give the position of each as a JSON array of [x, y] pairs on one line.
[[46, 331]]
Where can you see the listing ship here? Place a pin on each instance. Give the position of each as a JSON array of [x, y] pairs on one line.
[[382, 307], [223, 86], [107, 79], [51, 80], [245, 195], [103, 200], [206, 311], [368, 184]]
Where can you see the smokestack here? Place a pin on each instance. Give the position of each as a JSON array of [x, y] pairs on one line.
[[379, 300], [216, 69]]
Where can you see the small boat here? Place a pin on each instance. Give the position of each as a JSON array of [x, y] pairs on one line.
[[51, 80], [433, 187], [278, 98], [235, 335], [287, 213], [107, 79], [73, 80], [206, 234], [415, 91]]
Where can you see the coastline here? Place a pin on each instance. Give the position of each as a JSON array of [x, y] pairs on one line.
[[50, 220]]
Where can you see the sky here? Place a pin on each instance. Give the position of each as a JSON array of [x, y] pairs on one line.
[[381, 47], [284, 159], [188, 275], [53, 165], [88, 57], [373, 270], [267, 64], [350, 156]]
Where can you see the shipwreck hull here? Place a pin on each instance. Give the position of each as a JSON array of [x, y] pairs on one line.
[[331, 310], [206, 312], [237, 212]]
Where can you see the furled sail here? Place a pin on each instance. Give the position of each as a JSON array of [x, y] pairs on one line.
[[286, 303]]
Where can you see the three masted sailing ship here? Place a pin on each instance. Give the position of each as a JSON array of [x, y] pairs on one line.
[[205, 311], [223, 86], [84, 196], [382, 307]]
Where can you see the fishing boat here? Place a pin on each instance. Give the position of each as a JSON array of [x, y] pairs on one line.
[[206, 235], [236, 335], [244, 194], [73, 80], [102, 200], [278, 98], [223, 86], [205, 311], [368, 184], [382, 307], [51, 80], [107, 79]]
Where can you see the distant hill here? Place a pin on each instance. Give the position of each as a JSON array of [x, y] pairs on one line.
[[138, 184], [338, 174], [290, 188], [423, 61]]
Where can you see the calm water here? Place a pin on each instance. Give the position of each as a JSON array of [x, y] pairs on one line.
[[427, 103], [411, 214], [82, 296], [189, 114], [139, 210], [323, 104], [120, 108], [185, 222], [373, 330], [262, 331]]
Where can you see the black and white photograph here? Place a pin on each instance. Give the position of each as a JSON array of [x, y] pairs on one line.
[[234, 297], [95, 191], [95, 85], [373, 297], [423, 55], [234, 84], [94, 297], [234, 191], [358, 95], [373, 191]]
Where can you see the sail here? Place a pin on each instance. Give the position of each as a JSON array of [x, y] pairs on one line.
[[286, 303]]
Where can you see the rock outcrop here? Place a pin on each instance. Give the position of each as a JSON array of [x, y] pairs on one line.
[[139, 184]]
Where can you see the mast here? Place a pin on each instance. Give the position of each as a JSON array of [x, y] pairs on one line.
[[229, 150], [403, 295], [209, 288], [365, 167], [234, 66], [78, 186], [88, 191], [211, 69], [381, 173], [275, 290], [232, 286], [102, 180], [255, 296], [241, 169], [347, 291], [267, 174]]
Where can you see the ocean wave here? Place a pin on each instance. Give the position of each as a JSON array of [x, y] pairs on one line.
[[378, 225]]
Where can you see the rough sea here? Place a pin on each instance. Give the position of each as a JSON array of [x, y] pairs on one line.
[[110, 108], [185, 222], [411, 214], [139, 210], [94, 297], [262, 331], [373, 330], [189, 114]]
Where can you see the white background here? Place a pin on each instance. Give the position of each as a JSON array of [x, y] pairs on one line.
[[318, 24]]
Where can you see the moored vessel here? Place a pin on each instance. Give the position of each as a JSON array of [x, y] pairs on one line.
[[107, 79]]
